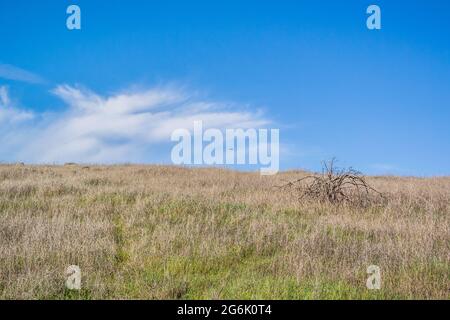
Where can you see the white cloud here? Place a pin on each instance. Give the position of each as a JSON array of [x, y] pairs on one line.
[[8, 114], [4, 98], [383, 168], [10, 72], [121, 127]]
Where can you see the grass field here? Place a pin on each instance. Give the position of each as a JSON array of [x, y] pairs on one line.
[[155, 232]]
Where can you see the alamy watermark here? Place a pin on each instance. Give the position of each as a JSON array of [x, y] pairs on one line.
[[73, 21], [73, 281], [236, 147], [374, 20], [374, 280]]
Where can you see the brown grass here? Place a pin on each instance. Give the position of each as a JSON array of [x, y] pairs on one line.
[[166, 233]]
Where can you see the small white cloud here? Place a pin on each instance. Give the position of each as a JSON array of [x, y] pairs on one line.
[[383, 168], [10, 72], [8, 114], [121, 127], [4, 98]]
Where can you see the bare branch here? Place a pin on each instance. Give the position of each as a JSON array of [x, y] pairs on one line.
[[335, 185]]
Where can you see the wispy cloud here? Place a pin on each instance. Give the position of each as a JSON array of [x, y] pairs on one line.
[[117, 128], [11, 72], [4, 98], [9, 115], [384, 168]]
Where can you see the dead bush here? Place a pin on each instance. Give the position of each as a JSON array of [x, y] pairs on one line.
[[336, 185]]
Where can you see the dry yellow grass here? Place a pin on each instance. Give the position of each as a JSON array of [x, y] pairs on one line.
[[165, 233]]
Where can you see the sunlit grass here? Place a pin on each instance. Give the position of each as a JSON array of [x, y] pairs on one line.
[[150, 232]]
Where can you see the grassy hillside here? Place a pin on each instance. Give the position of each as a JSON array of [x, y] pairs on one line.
[[168, 233]]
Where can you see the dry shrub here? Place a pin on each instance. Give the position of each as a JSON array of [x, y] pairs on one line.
[[337, 185]]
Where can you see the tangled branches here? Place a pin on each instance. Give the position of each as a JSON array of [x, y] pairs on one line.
[[336, 186]]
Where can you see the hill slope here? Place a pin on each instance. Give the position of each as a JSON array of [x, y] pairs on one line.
[[167, 232]]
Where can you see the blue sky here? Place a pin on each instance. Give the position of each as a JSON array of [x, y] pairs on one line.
[[378, 100]]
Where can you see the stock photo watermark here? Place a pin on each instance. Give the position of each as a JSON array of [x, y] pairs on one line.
[[236, 147], [73, 22], [374, 20], [374, 280], [73, 274]]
